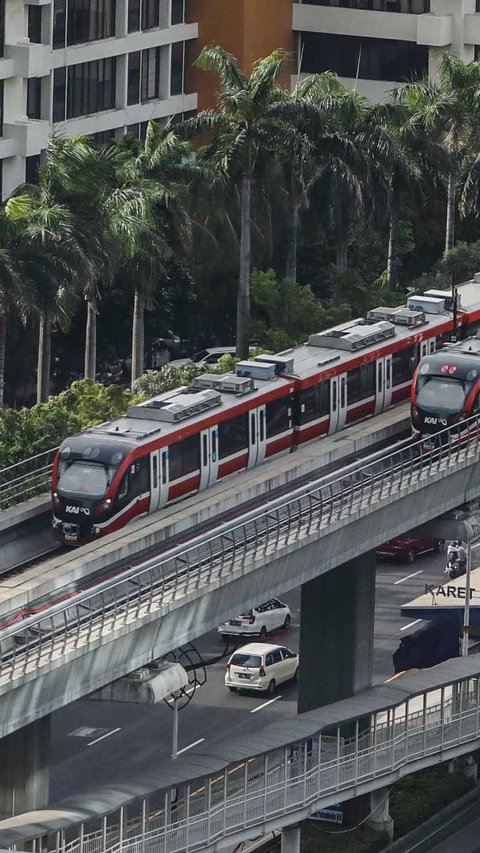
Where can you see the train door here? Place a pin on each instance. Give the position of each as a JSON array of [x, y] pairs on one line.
[[383, 386], [208, 457], [257, 436], [159, 479], [338, 402], [424, 348]]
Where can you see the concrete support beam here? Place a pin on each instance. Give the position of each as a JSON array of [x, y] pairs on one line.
[[290, 839], [380, 819], [336, 633], [467, 765], [24, 774]]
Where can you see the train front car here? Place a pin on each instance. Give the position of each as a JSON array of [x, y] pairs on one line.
[[446, 387], [84, 487]]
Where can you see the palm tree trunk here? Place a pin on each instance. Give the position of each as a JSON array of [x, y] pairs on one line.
[[342, 256], [291, 261], [392, 252], [138, 335], [91, 343], [450, 223], [3, 338], [44, 353], [243, 299]]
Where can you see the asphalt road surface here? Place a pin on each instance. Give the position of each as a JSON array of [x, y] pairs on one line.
[[97, 743]]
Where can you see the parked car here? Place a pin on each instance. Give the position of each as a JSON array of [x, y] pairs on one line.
[[409, 546], [204, 358], [261, 666]]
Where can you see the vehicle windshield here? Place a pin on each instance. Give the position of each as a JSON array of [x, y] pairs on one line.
[[436, 393], [199, 356], [251, 661], [84, 478]]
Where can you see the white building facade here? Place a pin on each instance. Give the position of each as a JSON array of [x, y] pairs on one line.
[[100, 67], [375, 44]]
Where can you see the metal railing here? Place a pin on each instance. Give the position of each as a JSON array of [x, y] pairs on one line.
[[143, 592], [296, 778], [26, 479]]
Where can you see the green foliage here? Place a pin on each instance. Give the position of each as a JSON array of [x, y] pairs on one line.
[[462, 262], [351, 289], [421, 795], [155, 382], [285, 312], [26, 432]]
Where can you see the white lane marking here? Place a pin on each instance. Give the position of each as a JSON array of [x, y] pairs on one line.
[[410, 625], [190, 745], [402, 580], [259, 707], [102, 737]]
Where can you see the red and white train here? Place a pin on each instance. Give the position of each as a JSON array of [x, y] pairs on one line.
[[183, 441]]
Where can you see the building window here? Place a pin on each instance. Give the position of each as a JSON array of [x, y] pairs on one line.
[[59, 91], [133, 89], [373, 59], [91, 87], [150, 78], [35, 24], [34, 97], [2, 27], [1, 108], [143, 15], [32, 165], [410, 7], [178, 12], [78, 21], [105, 137], [176, 68]]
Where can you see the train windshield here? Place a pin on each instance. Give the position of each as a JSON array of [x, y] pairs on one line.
[[435, 393], [84, 478]]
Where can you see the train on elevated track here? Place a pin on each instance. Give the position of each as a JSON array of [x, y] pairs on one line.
[[183, 441]]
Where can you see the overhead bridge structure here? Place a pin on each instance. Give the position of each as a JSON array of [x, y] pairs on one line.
[[78, 645]]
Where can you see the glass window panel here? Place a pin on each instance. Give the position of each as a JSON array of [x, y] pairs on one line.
[[184, 457], [133, 16], [150, 73], [150, 14], [89, 20], [176, 71], [34, 97], [91, 87], [232, 436], [59, 23], [374, 59], [133, 90], [178, 11], [278, 418], [59, 94], [35, 24]]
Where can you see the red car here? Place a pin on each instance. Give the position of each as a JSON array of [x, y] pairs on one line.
[[409, 546]]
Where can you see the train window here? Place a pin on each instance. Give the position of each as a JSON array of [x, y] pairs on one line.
[[184, 457], [404, 363], [262, 425], [361, 382], [155, 471], [232, 436], [205, 449], [314, 402], [278, 417], [123, 489], [139, 477], [164, 466]]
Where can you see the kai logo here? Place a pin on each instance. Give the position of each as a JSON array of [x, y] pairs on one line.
[[75, 510], [441, 421]]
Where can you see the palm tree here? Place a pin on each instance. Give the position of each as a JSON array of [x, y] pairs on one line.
[[448, 110], [53, 258], [243, 124], [13, 288]]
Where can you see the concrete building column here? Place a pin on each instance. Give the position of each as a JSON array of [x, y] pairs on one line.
[[380, 819], [336, 633], [290, 839], [24, 763], [465, 764]]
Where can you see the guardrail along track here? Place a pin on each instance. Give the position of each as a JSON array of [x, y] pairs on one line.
[[26, 479], [223, 553]]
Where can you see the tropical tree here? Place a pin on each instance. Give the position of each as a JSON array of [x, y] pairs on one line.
[[448, 109], [243, 125], [13, 287]]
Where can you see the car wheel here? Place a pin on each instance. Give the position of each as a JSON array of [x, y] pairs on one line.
[[410, 557], [263, 632], [287, 621], [271, 688], [232, 689], [439, 546]]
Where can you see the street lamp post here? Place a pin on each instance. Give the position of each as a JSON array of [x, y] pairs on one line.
[[466, 607]]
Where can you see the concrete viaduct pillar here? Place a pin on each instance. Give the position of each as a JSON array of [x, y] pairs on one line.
[[336, 633], [24, 769], [290, 839]]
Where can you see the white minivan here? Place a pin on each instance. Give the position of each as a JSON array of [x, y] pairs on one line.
[[261, 666]]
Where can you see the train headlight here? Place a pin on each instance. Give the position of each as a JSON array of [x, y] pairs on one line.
[[104, 506], [56, 500], [415, 412]]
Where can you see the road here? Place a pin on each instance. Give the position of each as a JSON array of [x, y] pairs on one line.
[[93, 741]]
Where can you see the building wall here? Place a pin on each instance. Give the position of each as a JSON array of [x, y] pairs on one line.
[[249, 29], [36, 74]]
